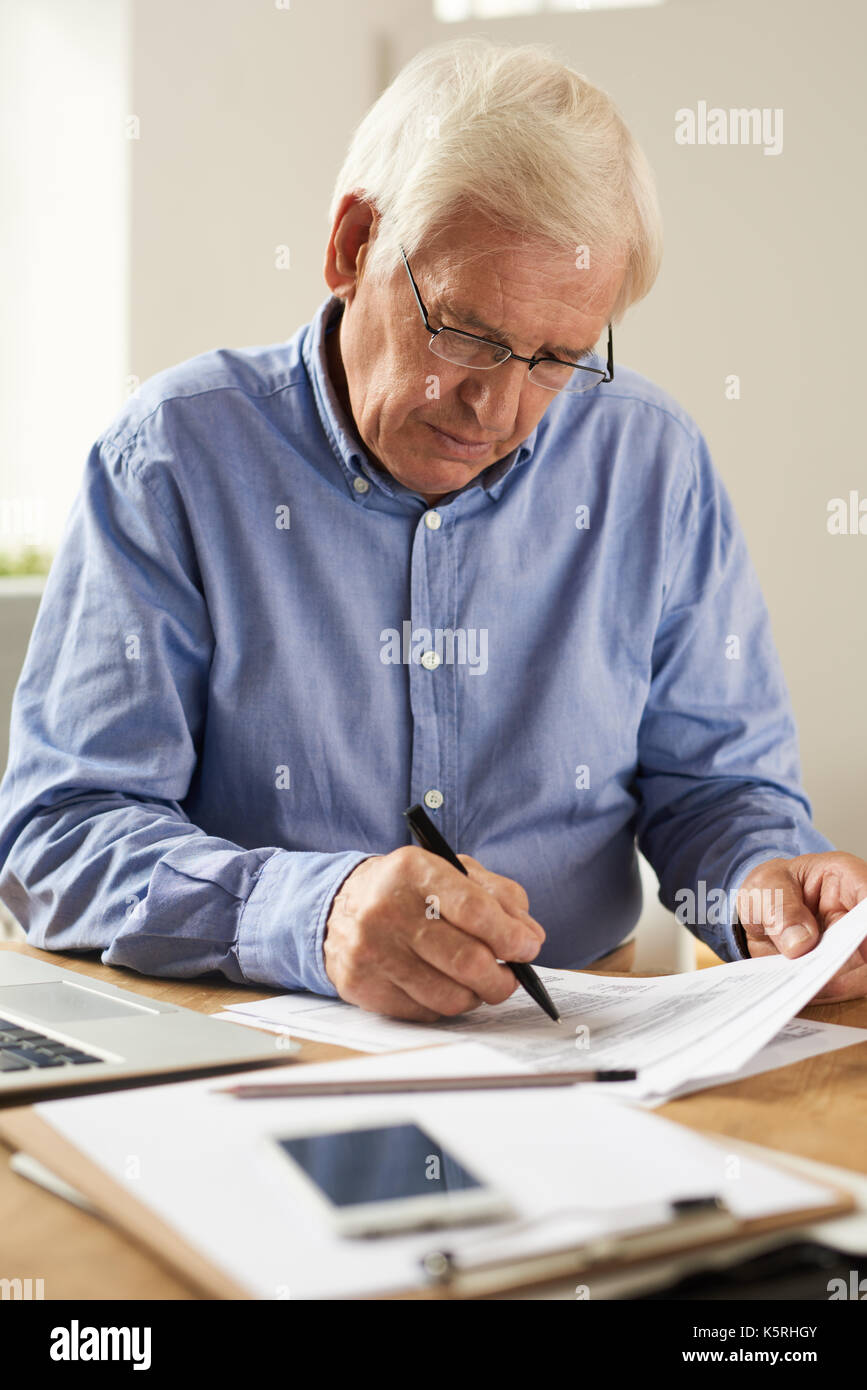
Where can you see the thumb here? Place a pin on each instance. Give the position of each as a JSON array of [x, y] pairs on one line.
[[772, 908]]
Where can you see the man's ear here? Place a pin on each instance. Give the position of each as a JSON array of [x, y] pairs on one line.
[[348, 247]]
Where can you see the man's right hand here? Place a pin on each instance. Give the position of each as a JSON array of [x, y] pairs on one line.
[[387, 950]]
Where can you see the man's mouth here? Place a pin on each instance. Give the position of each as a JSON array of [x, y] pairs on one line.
[[459, 446]]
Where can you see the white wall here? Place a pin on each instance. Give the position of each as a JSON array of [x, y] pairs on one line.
[[64, 230], [245, 113]]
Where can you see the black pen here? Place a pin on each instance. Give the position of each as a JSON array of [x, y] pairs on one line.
[[430, 839]]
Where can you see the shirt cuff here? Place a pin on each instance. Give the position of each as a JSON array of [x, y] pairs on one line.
[[282, 925]]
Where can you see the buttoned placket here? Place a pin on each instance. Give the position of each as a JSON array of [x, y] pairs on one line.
[[432, 677], [434, 600]]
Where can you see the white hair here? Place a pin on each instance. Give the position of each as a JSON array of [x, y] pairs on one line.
[[513, 134]]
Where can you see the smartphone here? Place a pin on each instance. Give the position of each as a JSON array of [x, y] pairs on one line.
[[378, 1180]]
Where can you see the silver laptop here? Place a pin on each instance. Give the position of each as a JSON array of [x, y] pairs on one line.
[[60, 1028]]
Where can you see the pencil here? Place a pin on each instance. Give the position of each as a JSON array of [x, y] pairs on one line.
[[266, 1090]]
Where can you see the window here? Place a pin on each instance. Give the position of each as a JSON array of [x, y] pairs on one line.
[[64, 214], [454, 10]]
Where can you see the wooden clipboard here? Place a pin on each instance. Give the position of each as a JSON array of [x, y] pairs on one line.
[[24, 1129]]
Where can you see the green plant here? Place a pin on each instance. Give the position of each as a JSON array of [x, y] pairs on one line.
[[28, 560]]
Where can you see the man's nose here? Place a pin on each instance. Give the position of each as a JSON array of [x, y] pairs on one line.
[[494, 396]]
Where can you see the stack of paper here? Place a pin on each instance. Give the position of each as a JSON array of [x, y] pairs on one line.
[[679, 1032]]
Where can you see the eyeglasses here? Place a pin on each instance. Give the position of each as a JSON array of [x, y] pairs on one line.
[[471, 350]]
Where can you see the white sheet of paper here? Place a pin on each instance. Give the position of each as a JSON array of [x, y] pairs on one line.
[[673, 1029], [799, 1039], [772, 991], [199, 1160], [331, 1020]]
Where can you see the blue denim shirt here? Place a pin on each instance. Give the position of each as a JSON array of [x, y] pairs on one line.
[[255, 649]]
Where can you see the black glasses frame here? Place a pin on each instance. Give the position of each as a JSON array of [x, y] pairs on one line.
[[477, 337]]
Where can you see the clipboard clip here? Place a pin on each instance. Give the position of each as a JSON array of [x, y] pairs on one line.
[[690, 1221]]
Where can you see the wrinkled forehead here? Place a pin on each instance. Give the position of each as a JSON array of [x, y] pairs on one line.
[[492, 281]]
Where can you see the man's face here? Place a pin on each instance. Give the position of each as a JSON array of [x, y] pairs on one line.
[[434, 425]]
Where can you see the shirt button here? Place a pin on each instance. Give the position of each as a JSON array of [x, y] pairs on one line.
[[433, 799], [433, 521], [430, 660], [361, 485]]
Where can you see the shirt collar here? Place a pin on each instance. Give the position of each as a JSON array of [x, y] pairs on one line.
[[343, 436]]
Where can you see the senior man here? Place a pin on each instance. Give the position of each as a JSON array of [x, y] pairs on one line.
[[440, 546]]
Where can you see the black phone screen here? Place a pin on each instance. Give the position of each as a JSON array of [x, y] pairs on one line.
[[386, 1164]]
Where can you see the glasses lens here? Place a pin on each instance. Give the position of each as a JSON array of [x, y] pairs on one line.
[[556, 376], [466, 351]]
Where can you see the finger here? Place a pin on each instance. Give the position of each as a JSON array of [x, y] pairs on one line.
[[829, 918], [842, 885], [431, 988], [507, 891], [846, 984], [761, 946], [464, 959], [855, 962], [468, 906], [773, 909], [382, 997]]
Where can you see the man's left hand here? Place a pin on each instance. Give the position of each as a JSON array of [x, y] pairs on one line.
[[797, 899]]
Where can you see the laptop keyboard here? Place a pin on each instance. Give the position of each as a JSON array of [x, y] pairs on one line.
[[24, 1048]]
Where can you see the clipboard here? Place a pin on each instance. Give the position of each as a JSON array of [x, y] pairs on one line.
[[24, 1129]]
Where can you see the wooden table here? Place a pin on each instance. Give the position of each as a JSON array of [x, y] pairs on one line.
[[816, 1108]]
